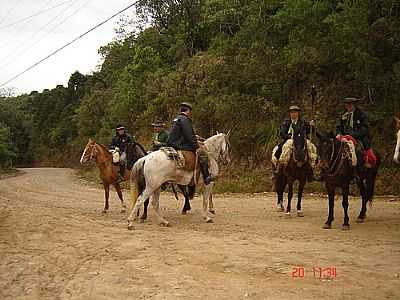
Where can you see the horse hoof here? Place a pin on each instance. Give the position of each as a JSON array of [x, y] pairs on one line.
[[123, 211], [212, 211], [300, 213], [104, 211], [209, 220], [141, 220], [346, 227], [327, 226], [360, 220], [184, 212], [280, 209], [164, 224], [130, 227], [288, 214]]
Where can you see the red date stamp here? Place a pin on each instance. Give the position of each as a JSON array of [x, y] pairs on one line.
[[317, 272]]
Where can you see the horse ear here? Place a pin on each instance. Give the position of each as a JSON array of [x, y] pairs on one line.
[[397, 122], [90, 140], [228, 134]]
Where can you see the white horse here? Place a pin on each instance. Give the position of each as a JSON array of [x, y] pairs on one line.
[[396, 156], [151, 171]]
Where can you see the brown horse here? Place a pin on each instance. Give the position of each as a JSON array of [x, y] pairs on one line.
[[108, 170], [336, 170]]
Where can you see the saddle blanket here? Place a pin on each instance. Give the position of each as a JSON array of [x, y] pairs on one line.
[[177, 156], [287, 153]]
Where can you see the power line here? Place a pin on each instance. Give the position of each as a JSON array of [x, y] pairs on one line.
[[13, 54], [69, 43], [9, 11], [34, 15]]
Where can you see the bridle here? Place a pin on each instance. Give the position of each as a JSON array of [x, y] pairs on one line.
[[300, 163], [221, 154]]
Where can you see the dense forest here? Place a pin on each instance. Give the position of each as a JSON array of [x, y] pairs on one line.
[[240, 62]]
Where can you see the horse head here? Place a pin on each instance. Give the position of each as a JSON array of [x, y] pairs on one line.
[[396, 156], [89, 152], [219, 146], [325, 149], [299, 146]]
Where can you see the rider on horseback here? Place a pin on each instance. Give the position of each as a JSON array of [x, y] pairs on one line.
[[354, 122], [294, 124], [160, 137], [183, 137], [119, 143]]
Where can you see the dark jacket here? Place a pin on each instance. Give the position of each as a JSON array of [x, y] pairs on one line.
[[359, 128], [182, 136], [301, 125], [121, 141]]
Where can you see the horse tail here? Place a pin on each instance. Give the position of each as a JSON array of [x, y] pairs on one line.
[[371, 178], [137, 181]]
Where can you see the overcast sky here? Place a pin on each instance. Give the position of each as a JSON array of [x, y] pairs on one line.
[[25, 43]]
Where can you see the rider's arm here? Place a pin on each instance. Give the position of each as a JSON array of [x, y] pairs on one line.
[[284, 130], [114, 143], [362, 129]]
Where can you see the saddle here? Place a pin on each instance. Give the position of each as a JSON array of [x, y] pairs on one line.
[[185, 160]]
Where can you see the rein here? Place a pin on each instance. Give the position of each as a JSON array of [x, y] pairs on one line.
[[299, 163], [334, 167]]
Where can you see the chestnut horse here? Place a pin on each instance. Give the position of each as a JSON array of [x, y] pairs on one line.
[[108, 170]]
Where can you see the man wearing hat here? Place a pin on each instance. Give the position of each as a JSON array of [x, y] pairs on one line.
[[119, 143], [160, 137], [294, 123], [354, 122], [183, 137]]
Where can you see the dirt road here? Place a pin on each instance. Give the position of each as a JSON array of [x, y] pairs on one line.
[[56, 244]]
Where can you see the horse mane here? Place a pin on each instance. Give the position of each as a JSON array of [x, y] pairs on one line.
[[103, 147]]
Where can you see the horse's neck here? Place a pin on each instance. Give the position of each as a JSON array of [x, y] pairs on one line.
[[103, 156], [213, 145]]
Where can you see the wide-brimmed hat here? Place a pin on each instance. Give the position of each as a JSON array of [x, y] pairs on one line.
[[119, 127], [186, 104], [350, 100], [158, 123], [294, 107]]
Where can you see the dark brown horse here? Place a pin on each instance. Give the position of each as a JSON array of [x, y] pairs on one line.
[[108, 170], [296, 169], [336, 170]]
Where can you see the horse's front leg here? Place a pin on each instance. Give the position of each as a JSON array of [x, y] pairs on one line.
[[206, 196], [331, 199], [155, 201], [345, 204], [290, 196], [186, 206], [106, 196], [364, 200], [120, 196], [302, 183], [280, 185]]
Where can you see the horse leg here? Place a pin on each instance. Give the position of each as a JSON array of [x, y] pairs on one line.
[[279, 188], [106, 196], [364, 200], [155, 201], [331, 197], [211, 208], [144, 215], [206, 196], [290, 196], [120, 196], [142, 198], [345, 204], [299, 196], [186, 206]]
